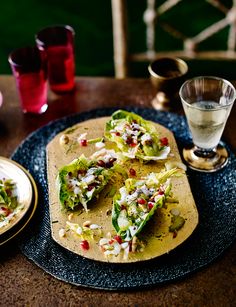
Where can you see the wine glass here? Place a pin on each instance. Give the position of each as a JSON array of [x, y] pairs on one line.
[[207, 102]]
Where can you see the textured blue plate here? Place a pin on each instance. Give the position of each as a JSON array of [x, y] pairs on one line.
[[215, 196]]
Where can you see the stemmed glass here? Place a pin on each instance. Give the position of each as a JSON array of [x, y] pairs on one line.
[[207, 102]]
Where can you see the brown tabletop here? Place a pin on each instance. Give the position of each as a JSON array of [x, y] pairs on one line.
[[22, 283]]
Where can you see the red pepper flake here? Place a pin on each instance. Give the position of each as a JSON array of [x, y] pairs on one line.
[[160, 193], [83, 142], [123, 207], [111, 241], [133, 144], [84, 245], [164, 141], [132, 172], [141, 201], [150, 206], [118, 239]]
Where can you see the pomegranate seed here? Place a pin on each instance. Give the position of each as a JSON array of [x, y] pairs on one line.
[[118, 239], [101, 163], [84, 245], [6, 211], [164, 141], [132, 172], [110, 163], [133, 144], [117, 133], [160, 193], [90, 187], [83, 142], [123, 207], [141, 201], [150, 205], [129, 140]]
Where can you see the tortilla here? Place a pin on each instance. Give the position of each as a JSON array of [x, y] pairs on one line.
[[156, 235]]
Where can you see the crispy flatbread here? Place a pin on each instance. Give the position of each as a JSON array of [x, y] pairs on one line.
[[156, 235]]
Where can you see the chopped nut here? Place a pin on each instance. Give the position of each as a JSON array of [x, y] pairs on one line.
[[70, 216], [108, 212], [62, 233], [64, 139], [86, 223], [134, 244]]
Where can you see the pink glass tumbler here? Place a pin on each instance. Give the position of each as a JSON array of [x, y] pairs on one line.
[[31, 79], [56, 44]]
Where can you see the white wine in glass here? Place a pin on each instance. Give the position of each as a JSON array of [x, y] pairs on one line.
[[207, 102]]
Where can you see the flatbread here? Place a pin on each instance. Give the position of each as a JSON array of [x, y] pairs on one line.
[[158, 240]]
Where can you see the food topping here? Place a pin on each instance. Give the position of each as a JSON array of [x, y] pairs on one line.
[[137, 201], [64, 139], [136, 137], [117, 246], [81, 180], [84, 245], [9, 206], [132, 172]]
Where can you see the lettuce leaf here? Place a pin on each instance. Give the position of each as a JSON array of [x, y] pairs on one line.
[[74, 189], [135, 137], [127, 217]]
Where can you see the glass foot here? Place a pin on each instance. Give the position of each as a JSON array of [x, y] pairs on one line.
[[211, 162]]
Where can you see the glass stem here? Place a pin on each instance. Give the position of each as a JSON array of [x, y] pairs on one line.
[[204, 153]]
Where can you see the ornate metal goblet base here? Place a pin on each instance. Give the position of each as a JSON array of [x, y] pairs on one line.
[[205, 160]]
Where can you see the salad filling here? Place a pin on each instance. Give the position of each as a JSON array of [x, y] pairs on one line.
[[9, 205], [83, 179], [138, 200], [136, 137]]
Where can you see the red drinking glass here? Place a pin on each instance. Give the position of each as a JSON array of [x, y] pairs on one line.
[[56, 44], [29, 70]]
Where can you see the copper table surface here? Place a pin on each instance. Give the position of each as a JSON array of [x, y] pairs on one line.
[[23, 283]]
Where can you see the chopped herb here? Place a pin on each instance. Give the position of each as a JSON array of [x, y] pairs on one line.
[[71, 130], [93, 141]]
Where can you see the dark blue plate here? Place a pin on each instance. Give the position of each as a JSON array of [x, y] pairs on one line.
[[214, 194]]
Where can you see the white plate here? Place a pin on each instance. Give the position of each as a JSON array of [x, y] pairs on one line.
[[11, 170]]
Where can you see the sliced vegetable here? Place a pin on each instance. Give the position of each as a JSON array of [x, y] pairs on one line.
[[136, 137]]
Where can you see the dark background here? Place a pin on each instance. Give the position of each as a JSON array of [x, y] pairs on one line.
[[92, 21]]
